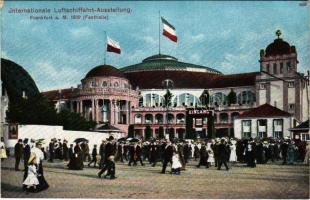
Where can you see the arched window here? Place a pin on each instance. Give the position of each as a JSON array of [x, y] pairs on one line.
[[140, 101], [223, 118], [246, 97], [138, 119], [170, 118], [186, 99], [234, 115], [180, 118], [148, 119], [153, 100], [159, 119], [116, 84], [92, 84], [219, 98], [104, 84]]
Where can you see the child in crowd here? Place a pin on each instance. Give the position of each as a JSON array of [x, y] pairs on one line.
[[176, 164], [31, 182]]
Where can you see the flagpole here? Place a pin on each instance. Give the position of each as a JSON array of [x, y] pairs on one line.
[[159, 31], [105, 50]]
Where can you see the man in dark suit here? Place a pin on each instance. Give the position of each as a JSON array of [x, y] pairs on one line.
[[167, 156], [94, 156], [52, 150], [222, 155], [71, 152], [187, 151], [18, 152], [153, 154], [101, 153], [284, 148], [250, 153], [65, 150], [135, 155], [26, 154], [109, 160]]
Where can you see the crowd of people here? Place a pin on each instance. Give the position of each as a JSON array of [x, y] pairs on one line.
[[204, 152], [32, 154]]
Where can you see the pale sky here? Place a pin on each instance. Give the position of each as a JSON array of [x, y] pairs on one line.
[[226, 36]]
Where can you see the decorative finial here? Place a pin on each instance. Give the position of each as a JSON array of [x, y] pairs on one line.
[[278, 33]]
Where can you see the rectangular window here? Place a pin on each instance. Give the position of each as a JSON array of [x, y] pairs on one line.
[[281, 68], [246, 128], [262, 134], [262, 122], [278, 128], [288, 65], [291, 84], [275, 68], [262, 86], [278, 134], [267, 68], [291, 106], [278, 122], [262, 128]]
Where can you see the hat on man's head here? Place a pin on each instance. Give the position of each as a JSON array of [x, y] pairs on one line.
[[110, 138]]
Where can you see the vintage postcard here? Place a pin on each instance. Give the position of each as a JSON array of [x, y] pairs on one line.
[[155, 99]]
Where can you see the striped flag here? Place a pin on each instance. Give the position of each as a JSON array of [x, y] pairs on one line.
[[169, 30], [113, 46]]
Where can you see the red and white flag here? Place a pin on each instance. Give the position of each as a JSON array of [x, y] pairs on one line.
[[113, 46], [169, 30]]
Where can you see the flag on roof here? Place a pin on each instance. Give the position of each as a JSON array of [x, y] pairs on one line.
[[113, 46], [169, 30]]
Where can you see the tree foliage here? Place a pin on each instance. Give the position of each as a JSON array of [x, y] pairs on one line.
[[39, 110], [167, 98], [232, 97], [205, 98], [131, 131], [211, 127]]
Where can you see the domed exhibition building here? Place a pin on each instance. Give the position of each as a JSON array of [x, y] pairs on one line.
[[163, 95]]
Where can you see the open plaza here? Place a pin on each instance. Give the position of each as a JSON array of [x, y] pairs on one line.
[[264, 181]]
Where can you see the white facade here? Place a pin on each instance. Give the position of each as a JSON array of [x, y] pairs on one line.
[[48, 132], [251, 125]]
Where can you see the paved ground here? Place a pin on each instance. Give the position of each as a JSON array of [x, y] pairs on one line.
[[265, 181]]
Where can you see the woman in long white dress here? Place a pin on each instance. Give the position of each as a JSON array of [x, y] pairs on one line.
[[233, 154], [176, 164], [31, 182], [2, 149], [211, 160]]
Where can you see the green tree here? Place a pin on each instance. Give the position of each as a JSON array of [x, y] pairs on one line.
[[161, 132], [167, 98], [74, 121], [189, 128], [232, 97], [32, 110], [131, 131], [205, 98], [211, 127], [39, 110]]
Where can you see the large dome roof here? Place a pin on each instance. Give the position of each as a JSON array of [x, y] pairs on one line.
[[104, 70], [162, 62], [279, 47]]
